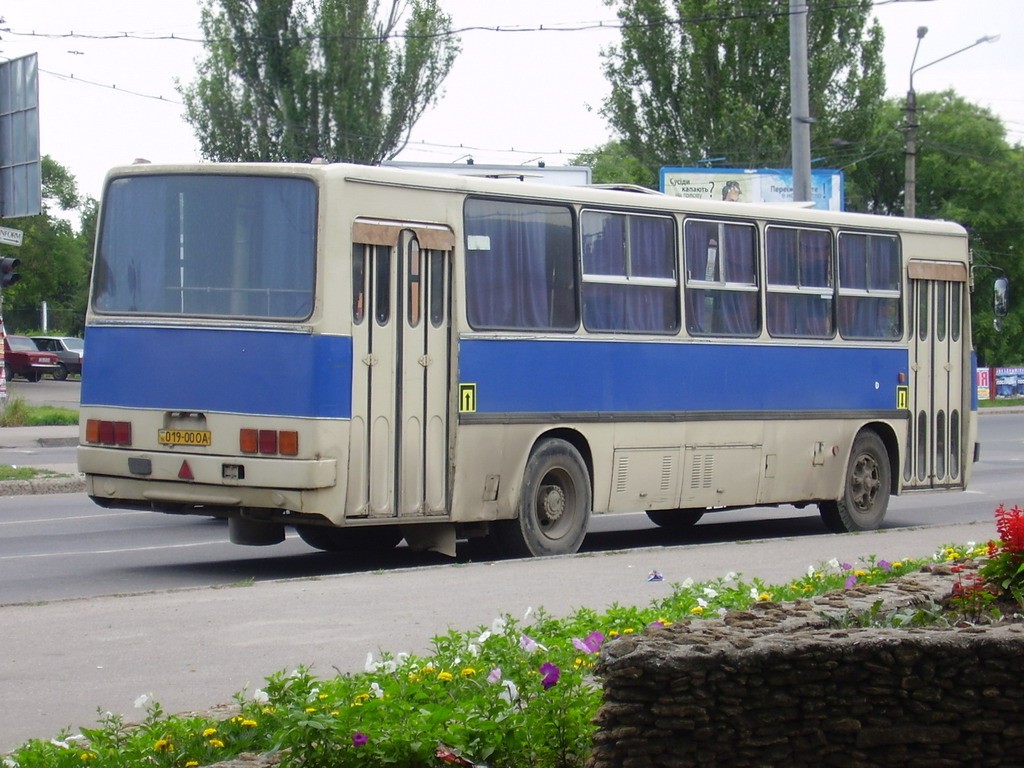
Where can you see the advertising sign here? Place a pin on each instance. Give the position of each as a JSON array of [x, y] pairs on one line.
[[751, 186]]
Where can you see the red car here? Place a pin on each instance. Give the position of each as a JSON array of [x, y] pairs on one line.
[[23, 358]]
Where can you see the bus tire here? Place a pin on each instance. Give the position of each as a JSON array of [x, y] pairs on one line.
[[379, 538], [675, 519], [865, 489], [554, 504]]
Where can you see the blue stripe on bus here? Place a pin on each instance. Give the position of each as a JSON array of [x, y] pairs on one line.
[[268, 373], [524, 376]]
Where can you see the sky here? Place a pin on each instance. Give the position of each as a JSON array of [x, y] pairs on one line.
[[108, 69]]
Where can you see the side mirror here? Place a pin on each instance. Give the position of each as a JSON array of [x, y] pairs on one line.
[[1000, 296]]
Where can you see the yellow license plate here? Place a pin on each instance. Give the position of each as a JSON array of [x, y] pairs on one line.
[[199, 437]]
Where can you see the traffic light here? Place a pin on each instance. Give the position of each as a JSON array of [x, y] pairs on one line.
[[7, 274]]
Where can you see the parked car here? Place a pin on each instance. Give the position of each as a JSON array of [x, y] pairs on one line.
[[23, 358], [69, 349]]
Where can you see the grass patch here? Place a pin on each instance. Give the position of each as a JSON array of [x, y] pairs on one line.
[[18, 413], [1001, 402], [8, 472]]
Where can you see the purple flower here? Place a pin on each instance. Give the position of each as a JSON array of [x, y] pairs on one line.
[[590, 644], [359, 739], [846, 566], [549, 674], [850, 581], [495, 675], [885, 565], [528, 644]]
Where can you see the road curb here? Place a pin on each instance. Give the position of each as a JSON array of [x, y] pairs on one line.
[[41, 485]]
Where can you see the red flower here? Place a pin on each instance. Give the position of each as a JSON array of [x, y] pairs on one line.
[[1010, 524]]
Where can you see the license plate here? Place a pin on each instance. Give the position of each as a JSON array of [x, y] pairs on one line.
[[199, 437]]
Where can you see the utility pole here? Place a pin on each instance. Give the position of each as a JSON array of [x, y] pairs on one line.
[[800, 110]]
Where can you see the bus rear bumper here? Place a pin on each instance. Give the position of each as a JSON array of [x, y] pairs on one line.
[[182, 480]]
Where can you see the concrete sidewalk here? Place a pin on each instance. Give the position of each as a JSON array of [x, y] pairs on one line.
[[42, 437], [193, 649]]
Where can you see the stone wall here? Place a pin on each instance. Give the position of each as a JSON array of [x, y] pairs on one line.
[[780, 685]]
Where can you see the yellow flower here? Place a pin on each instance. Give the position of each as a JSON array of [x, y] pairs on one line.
[[360, 698], [249, 723], [444, 677], [627, 631], [428, 669], [468, 672], [335, 713], [209, 732], [87, 756], [322, 696], [897, 564], [697, 610], [310, 709], [613, 633], [665, 622], [764, 597], [413, 677], [216, 743], [859, 573], [162, 745], [809, 588], [191, 764]]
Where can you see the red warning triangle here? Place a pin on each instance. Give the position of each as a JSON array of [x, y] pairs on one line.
[[185, 473]]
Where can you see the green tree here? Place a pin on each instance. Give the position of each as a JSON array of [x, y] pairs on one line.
[[612, 163], [54, 257], [290, 80], [696, 79], [967, 172]]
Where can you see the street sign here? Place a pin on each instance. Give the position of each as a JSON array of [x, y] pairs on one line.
[[10, 236]]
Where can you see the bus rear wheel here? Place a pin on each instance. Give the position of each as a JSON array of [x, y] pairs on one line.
[[675, 519], [378, 538], [554, 504], [865, 496]]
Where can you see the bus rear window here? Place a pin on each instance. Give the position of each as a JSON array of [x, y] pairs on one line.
[[207, 245]]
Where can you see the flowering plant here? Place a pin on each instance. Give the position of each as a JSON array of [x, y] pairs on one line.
[[1004, 568]]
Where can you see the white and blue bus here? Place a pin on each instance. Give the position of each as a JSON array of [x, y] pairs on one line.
[[370, 354]]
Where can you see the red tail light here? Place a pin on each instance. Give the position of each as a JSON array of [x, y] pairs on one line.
[[108, 432], [268, 442]]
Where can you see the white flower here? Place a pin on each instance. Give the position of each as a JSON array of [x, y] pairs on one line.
[[142, 701], [376, 690], [810, 570], [833, 563], [10, 762], [370, 665], [526, 615], [474, 649], [484, 636], [731, 576], [509, 692], [261, 697], [711, 593], [61, 744], [687, 583], [754, 594], [499, 625], [702, 602], [722, 611]]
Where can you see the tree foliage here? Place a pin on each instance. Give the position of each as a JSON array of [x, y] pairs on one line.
[[699, 79], [55, 259], [290, 80]]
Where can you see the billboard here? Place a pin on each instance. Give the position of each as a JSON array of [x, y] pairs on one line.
[[762, 185], [20, 165]]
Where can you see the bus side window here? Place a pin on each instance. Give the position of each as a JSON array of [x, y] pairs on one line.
[[870, 287], [358, 282], [721, 289], [799, 277]]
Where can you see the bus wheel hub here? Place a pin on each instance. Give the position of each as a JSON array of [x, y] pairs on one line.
[[552, 502]]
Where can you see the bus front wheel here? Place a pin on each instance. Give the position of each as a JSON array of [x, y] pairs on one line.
[[865, 491], [554, 504]]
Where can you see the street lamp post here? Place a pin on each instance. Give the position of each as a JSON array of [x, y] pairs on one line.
[[910, 175]]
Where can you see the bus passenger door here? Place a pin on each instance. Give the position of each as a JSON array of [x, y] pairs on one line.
[[400, 336], [935, 452]]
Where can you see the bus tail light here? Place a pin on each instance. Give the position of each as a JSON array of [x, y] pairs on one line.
[[269, 442], [108, 432]]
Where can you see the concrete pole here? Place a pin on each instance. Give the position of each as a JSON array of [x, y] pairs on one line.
[[800, 104]]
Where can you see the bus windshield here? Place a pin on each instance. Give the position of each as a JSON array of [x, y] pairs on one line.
[[202, 245]]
